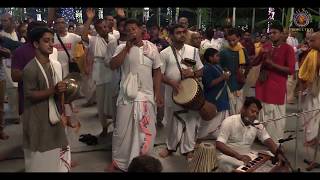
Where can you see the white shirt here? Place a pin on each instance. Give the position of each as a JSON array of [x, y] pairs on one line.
[[55, 63], [136, 62], [235, 134], [116, 75], [100, 74], [217, 43], [115, 33], [12, 35], [205, 44], [293, 42], [170, 68], [70, 41]]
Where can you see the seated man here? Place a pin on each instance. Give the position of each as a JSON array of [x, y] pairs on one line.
[[237, 134]]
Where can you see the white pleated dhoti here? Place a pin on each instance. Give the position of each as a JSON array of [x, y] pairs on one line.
[[134, 132], [175, 129], [310, 120], [104, 94], [56, 160], [271, 112], [236, 102]]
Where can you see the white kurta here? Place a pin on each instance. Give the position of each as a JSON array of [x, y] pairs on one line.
[[240, 138], [116, 76], [11, 87], [70, 41], [192, 118], [102, 75], [135, 131]]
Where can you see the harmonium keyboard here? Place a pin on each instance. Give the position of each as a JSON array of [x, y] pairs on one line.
[[262, 163]]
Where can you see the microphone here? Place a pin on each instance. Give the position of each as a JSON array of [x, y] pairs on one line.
[[286, 139]]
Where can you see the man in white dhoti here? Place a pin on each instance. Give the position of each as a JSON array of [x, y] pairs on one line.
[[309, 76], [102, 75], [116, 74], [181, 133], [139, 95], [237, 135], [44, 137]]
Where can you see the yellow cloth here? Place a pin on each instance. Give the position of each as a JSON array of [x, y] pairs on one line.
[[79, 56], [239, 48], [307, 71], [257, 47]]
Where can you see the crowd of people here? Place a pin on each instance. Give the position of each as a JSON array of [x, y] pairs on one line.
[[131, 71]]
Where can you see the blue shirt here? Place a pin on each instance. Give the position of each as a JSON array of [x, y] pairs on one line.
[[211, 72], [230, 60]]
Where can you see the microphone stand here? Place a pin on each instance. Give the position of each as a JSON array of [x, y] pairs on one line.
[[286, 161]]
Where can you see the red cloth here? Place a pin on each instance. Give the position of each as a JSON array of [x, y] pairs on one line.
[[146, 36], [274, 89]]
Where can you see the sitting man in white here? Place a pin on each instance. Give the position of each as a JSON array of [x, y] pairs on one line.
[[237, 134]]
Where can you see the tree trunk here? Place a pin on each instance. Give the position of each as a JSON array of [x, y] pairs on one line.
[[253, 19], [177, 15], [199, 18], [234, 17]]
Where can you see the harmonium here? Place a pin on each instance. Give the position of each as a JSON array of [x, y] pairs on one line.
[[262, 163]]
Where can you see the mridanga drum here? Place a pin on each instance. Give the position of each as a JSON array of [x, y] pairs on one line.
[[191, 97], [205, 158]]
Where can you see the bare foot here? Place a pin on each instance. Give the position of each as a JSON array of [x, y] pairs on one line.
[[189, 155], [74, 164], [165, 153], [311, 143], [3, 136], [104, 132], [75, 110], [112, 168]]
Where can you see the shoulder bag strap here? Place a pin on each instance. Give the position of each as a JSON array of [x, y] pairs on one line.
[[64, 47], [175, 55]]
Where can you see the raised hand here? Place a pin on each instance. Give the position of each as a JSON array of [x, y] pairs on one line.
[[120, 12], [90, 13]]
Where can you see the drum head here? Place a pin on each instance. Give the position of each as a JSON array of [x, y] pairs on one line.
[[187, 93]]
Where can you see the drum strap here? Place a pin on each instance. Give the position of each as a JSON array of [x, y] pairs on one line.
[[175, 55], [176, 114]]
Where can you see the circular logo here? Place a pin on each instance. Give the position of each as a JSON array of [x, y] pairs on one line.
[[301, 19]]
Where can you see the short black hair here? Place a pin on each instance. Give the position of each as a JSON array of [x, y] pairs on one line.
[[145, 163], [97, 22], [209, 33], [58, 16], [70, 26], [252, 100], [155, 25], [233, 31], [174, 27], [37, 33], [133, 21], [121, 19], [33, 25], [277, 26], [209, 52]]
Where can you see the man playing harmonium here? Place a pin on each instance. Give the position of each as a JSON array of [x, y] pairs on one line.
[[237, 134]]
